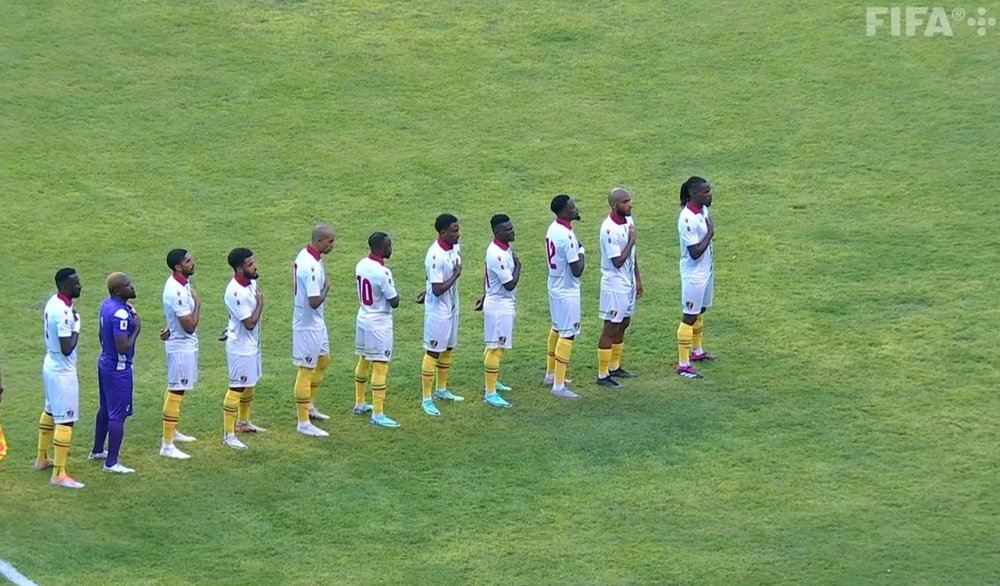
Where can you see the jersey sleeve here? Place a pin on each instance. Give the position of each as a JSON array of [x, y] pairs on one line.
[[435, 269], [569, 247], [309, 280], [687, 231], [181, 305], [611, 243], [238, 304], [65, 327], [388, 286], [500, 269], [123, 323]]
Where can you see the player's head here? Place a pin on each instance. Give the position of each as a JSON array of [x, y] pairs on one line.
[[243, 263], [696, 190], [179, 261], [68, 283], [620, 201], [120, 286], [447, 228], [503, 228], [379, 243], [323, 237], [564, 207]]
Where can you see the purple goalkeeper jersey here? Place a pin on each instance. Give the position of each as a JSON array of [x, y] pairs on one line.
[[116, 319]]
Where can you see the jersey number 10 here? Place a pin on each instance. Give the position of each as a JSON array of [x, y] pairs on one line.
[[365, 293]]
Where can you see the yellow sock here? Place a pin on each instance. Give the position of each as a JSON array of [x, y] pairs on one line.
[[302, 393], [443, 366], [616, 356], [550, 363], [61, 440], [564, 349], [321, 363], [603, 360], [246, 401], [427, 375], [230, 405], [380, 370], [684, 335], [171, 415], [46, 428], [698, 330], [491, 364], [361, 379]]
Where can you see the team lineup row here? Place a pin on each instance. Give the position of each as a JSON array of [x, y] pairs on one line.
[[120, 325]]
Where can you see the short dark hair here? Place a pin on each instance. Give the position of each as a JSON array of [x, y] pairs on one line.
[[497, 220], [687, 186], [238, 256], [175, 257], [559, 203], [376, 240], [63, 275], [444, 221]]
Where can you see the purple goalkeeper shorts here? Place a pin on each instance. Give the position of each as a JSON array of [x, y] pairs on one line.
[[116, 392]]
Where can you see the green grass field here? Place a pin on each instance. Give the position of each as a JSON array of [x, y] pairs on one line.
[[847, 436]]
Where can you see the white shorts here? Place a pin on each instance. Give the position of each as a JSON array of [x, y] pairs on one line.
[[696, 294], [440, 333], [374, 344], [615, 306], [182, 370], [565, 313], [308, 345], [244, 371], [498, 329], [62, 396]]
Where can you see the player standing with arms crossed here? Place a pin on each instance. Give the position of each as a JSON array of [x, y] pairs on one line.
[[566, 264], [182, 310], [621, 285], [696, 231], [59, 377], [310, 339], [377, 297]]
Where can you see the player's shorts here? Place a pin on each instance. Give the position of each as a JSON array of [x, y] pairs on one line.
[[565, 313], [374, 344], [498, 329], [115, 387], [62, 396], [308, 345], [244, 371], [696, 294], [615, 306], [440, 333], [182, 370]]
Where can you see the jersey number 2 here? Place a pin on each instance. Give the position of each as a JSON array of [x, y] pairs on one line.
[[550, 250]]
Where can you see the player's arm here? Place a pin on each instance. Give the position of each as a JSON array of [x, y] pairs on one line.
[[314, 291], [189, 321], [639, 290], [389, 291], [254, 318], [515, 275], [697, 249], [125, 341], [441, 288], [69, 335], [626, 250], [574, 257]]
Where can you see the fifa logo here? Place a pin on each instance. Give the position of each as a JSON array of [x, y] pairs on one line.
[[924, 21]]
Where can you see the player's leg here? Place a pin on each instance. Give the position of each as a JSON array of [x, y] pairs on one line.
[[305, 363], [566, 321], [618, 348], [362, 371], [322, 342], [101, 423], [499, 329], [380, 372], [612, 311], [692, 294], [119, 407], [239, 379], [443, 365], [698, 353], [46, 425], [65, 412], [182, 368]]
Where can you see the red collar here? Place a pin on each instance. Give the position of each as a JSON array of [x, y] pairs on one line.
[[65, 299], [693, 207], [315, 253], [444, 245], [502, 245], [563, 222], [180, 278], [377, 258], [616, 218], [242, 280]]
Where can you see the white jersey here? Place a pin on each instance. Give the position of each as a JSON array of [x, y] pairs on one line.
[[499, 270], [692, 227], [614, 238], [59, 323], [178, 303], [241, 301], [439, 265], [562, 249], [309, 279], [375, 289]]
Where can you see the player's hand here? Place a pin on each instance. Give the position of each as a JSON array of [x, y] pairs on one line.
[[478, 305], [458, 268], [517, 259], [259, 296], [631, 232], [76, 321], [639, 290], [223, 335], [195, 297], [421, 296], [710, 225], [164, 333]]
